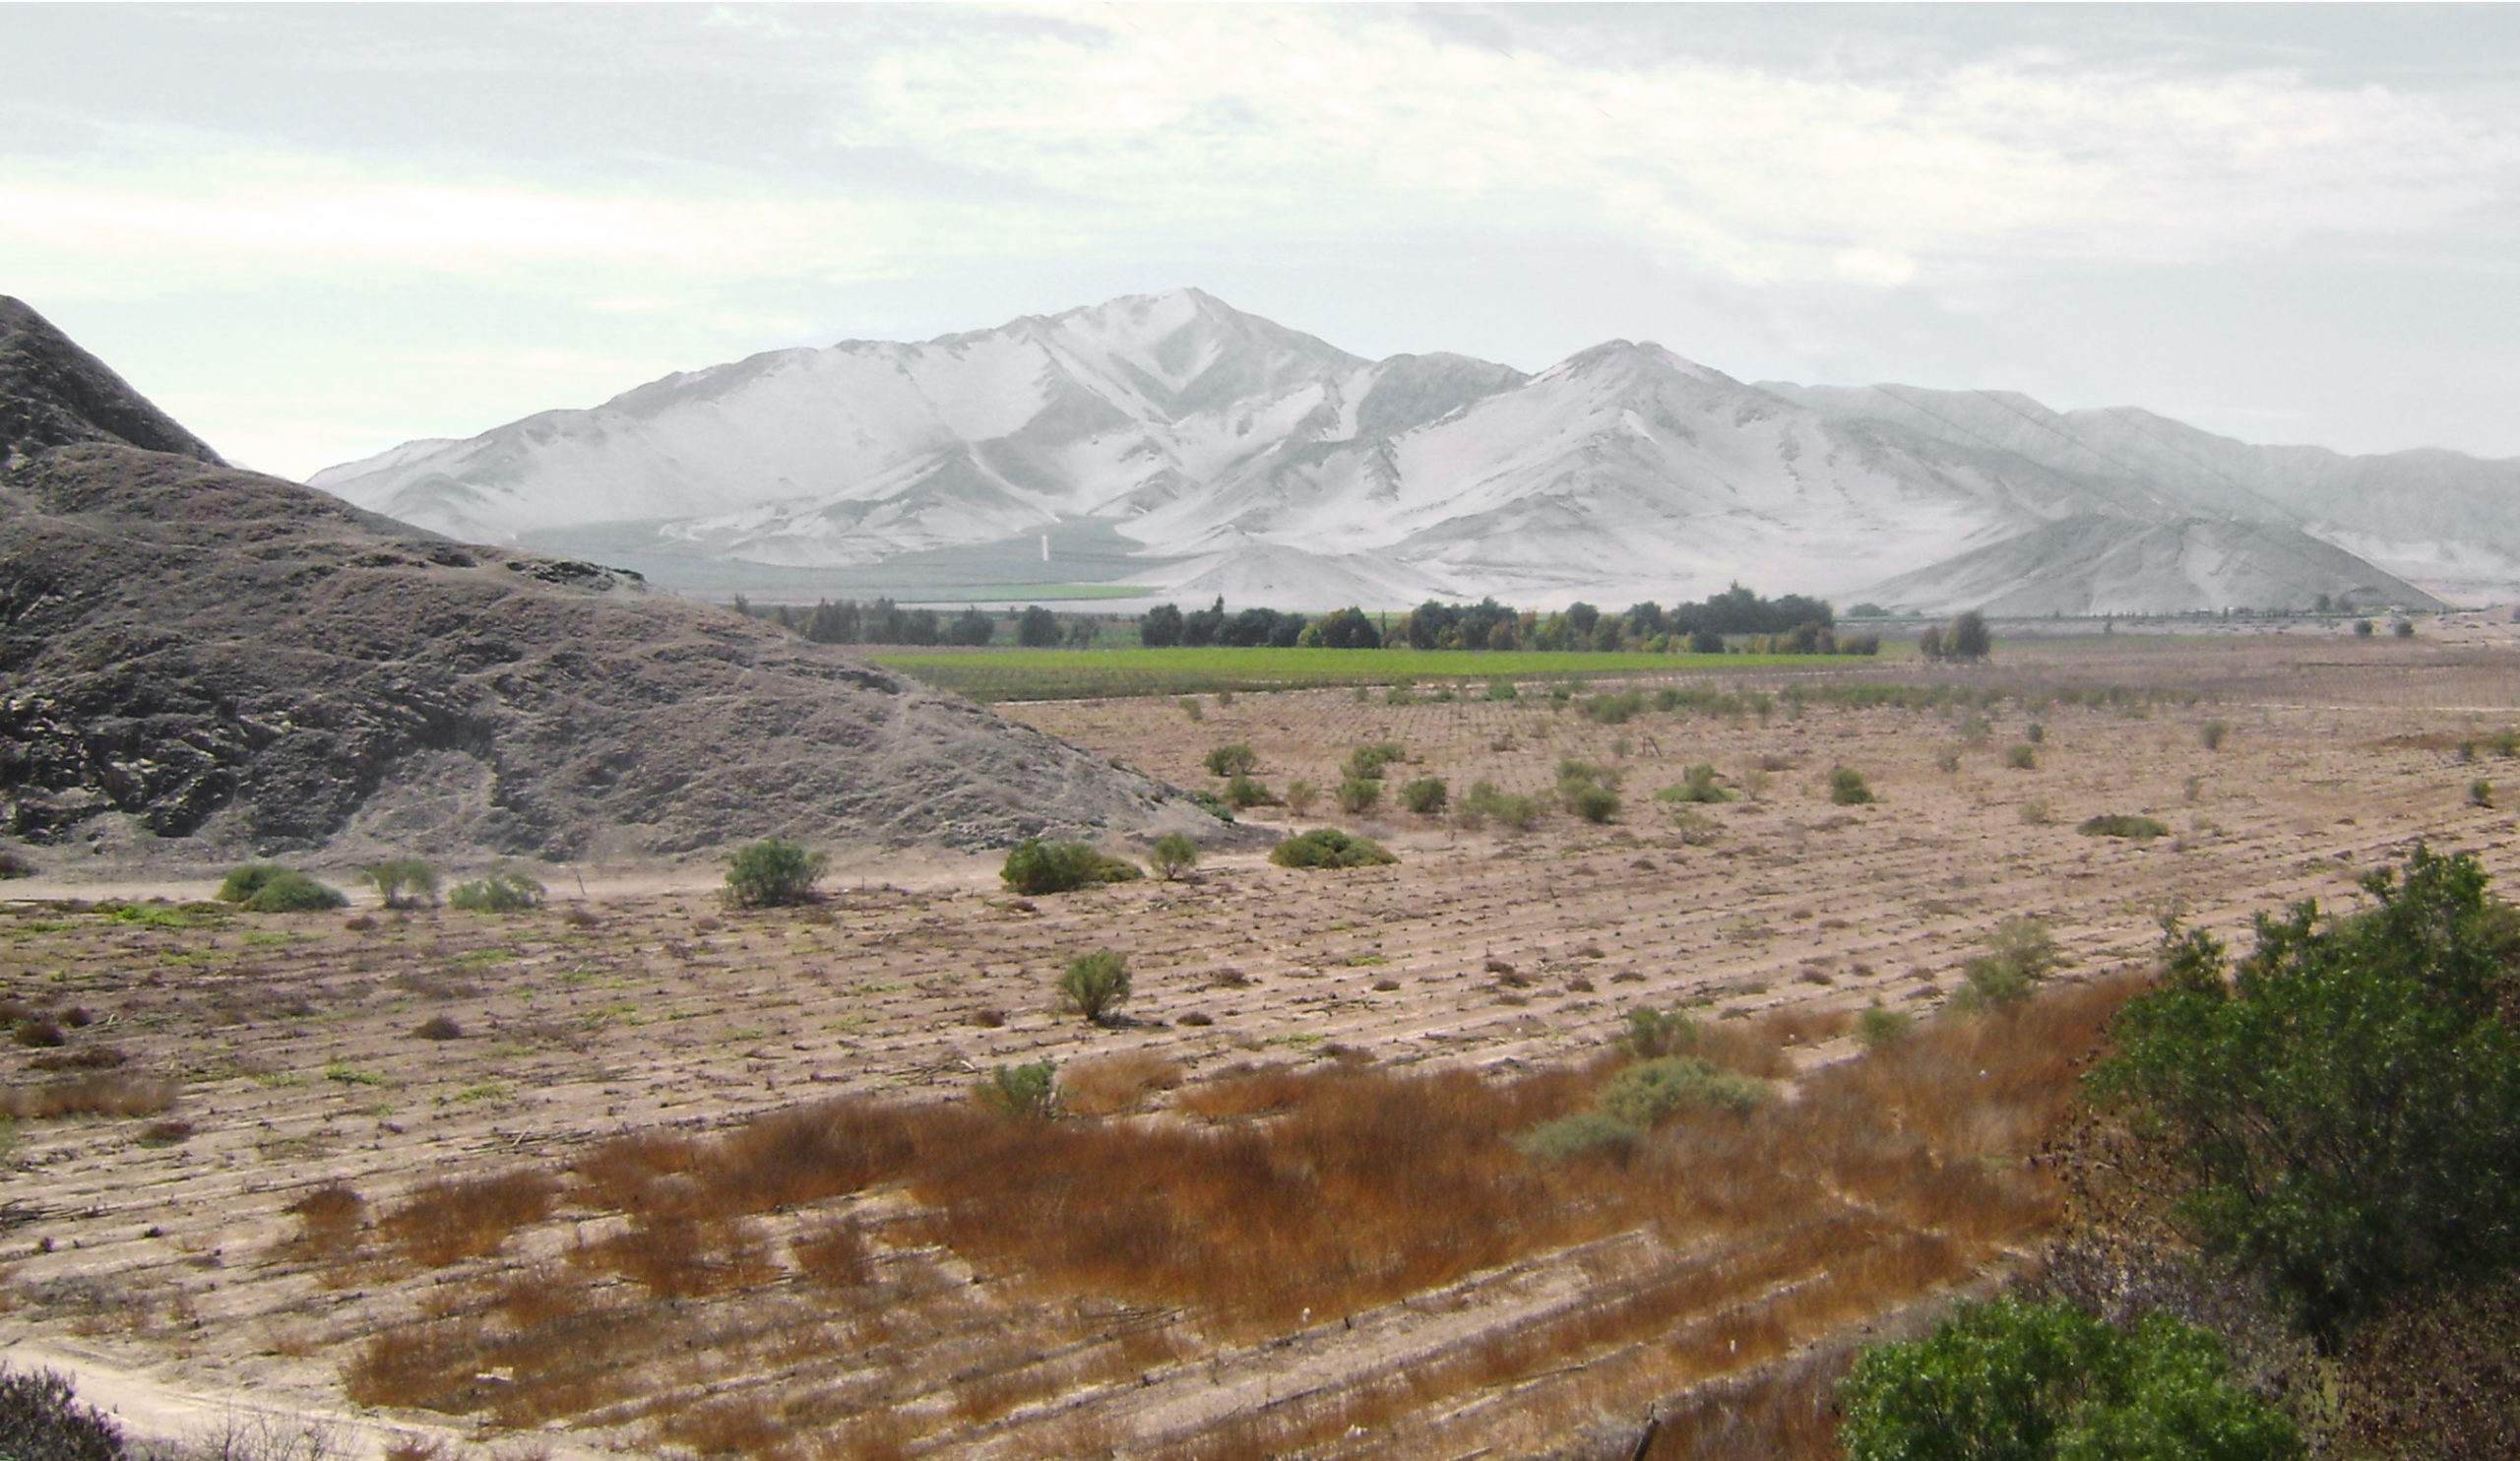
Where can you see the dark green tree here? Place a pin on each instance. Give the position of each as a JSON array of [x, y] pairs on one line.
[[1037, 629]]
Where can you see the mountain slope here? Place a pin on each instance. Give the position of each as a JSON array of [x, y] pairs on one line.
[[1240, 457], [205, 664]]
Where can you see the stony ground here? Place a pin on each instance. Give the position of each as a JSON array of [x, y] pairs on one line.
[[158, 1248]]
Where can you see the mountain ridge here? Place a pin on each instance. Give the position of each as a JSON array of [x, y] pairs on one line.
[[1197, 432]]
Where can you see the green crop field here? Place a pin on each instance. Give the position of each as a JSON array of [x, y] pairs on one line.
[[992, 674]]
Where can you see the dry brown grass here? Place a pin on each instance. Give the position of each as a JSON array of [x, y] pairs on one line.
[[94, 1095], [1114, 1085], [327, 1221], [447, 1221]]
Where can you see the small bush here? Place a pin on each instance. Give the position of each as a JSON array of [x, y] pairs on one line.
[[1328, 847], [403, 882], [1501, 689], [1653, 1033], [1697, 784], [15, 865], [2481, 794], [2122, 824], [2034, 732], [2402, 628], [1301, 797], [1847, 786], [1588, 1134], [264, 888], [1174, 855], [1483, 800], [1357, 794], [502, 890], [42, 1420], [773, 873], [2361, 628], [1190, 707], [1237, 759], [1879, 1025], [1366, 762], [2212, 734], [1651, 1090], [2020, 952], [1096, 983], [1426, 796], [1588, 790], [1612, 710], [1028, 1091], [1241, 792], [1037, 866], [439, 1027], [2022, 756]]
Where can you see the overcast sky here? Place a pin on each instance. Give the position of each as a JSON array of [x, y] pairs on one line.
[[311, 233]]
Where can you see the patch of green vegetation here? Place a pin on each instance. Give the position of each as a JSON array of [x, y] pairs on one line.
[[351, 1075], [1328, 847], [992, 674], [1035, 866], [2123, 824]]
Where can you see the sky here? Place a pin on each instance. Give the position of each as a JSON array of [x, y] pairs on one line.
[[311, 233]]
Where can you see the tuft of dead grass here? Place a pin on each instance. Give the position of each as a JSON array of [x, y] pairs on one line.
[[449, 1220], [100, 1093], [1116, 1084]]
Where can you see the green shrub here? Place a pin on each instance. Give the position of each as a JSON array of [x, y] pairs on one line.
[[1847, 786], [1647, 1093], [1028, 1091], [15, 865], [2361, 628], [502, 890], [1245, 792], [1501, 689], [2504, 743], [1612, 710], [1697, 784], [262, 888], [1214, 806], [403, 881], [1301, 795], [1328, 847], [2481, 794], [1174, 855], [2402, 628], [2034, 732], [1588, 1134], [773, 873], [2212, 734], [41, 1419], [1879, 1025], [2344, 1107], [1237, 759], [2122, 824], [1483, 800], [1357, 794], [1094, 985], [2022, 756], [1426, 796], [1653, 1033], [1190, 707], [1588, 790], [1037, 866], [2014, 1381], [1366, 762], [2020, 952]]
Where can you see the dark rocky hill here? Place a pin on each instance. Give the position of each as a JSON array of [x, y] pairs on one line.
[[198, 664]]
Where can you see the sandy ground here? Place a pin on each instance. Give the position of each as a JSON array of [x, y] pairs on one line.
[[156, 1270]]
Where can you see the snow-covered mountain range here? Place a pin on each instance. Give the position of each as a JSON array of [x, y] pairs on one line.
[[1235, 456]]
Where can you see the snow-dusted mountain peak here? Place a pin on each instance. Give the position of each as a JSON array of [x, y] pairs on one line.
[[1208, 447]]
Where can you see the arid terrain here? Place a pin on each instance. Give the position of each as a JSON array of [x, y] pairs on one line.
[[665, 1175]]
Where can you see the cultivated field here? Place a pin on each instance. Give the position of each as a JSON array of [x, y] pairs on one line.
[[638, 1171]]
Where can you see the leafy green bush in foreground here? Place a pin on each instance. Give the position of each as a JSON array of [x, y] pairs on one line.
[[2013, 1382], [2345, 1102]]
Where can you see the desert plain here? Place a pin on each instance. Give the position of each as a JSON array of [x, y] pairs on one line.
[[639, 1172]]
